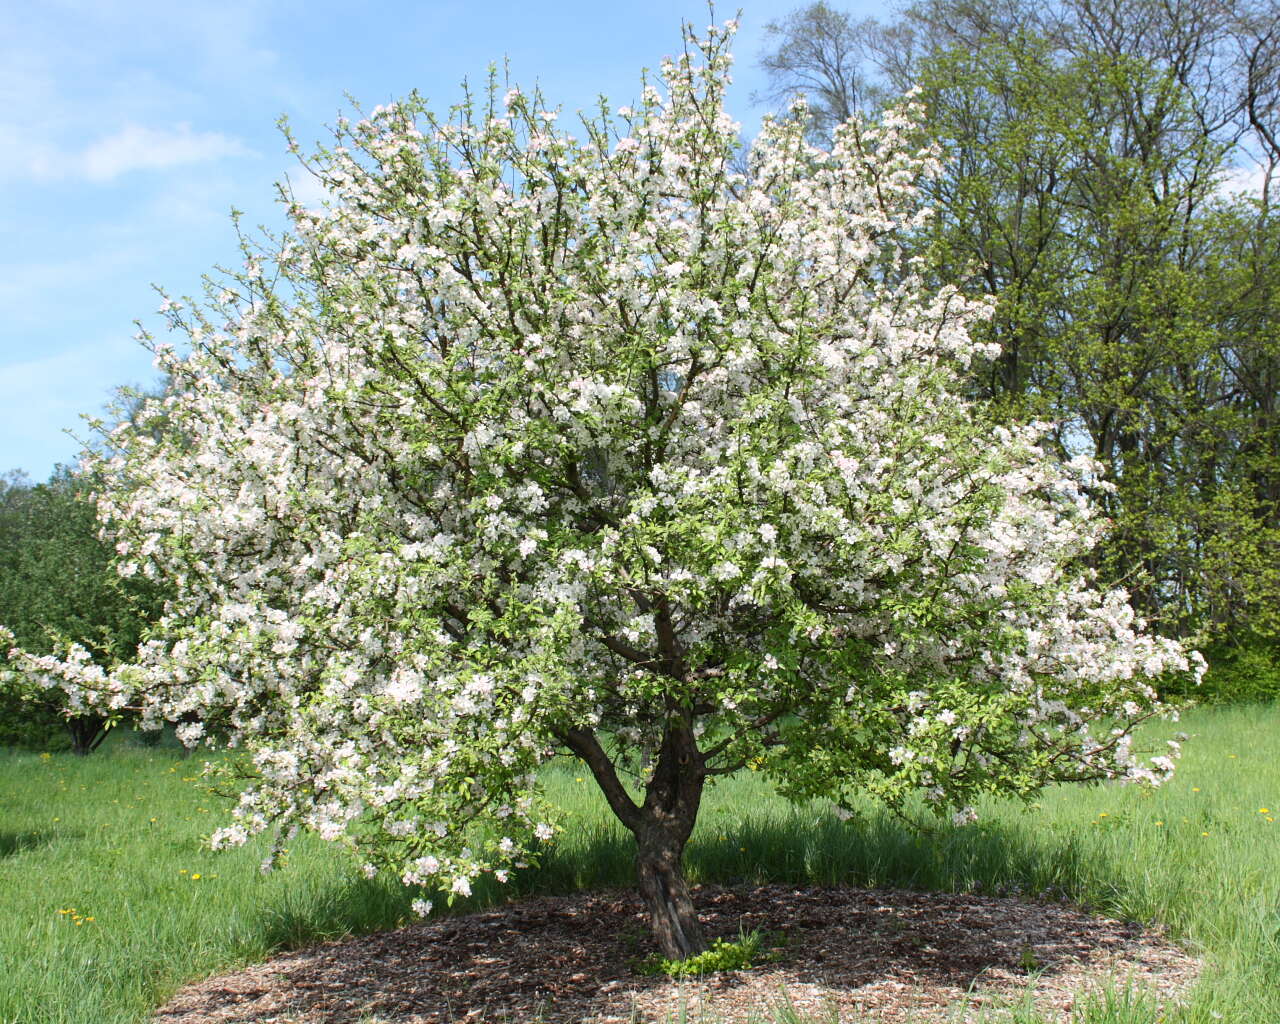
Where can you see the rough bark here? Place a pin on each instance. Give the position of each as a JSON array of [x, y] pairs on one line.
[[673, 919], [666, 821], [662, 826]]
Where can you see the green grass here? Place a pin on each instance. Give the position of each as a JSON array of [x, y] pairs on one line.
[[117, 838]]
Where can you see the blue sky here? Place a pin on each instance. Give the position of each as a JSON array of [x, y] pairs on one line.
[[131, 127]]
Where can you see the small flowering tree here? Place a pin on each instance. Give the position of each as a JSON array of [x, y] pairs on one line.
[[530, 443]]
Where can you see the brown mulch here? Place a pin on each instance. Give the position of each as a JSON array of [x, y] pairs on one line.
[[846, 954]]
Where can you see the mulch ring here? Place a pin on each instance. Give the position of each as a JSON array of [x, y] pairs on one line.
[[844, 953]]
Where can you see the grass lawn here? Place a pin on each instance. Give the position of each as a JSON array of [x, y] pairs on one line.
[[110, 901]]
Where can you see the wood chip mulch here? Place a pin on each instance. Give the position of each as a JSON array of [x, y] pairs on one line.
[[845, 954]]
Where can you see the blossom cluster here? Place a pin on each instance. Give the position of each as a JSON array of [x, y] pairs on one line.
[[525, 434]]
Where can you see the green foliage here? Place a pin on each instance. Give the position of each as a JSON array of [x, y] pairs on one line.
[[55, 572], [738, 954], [1240, 672], [57, 583], [31, 724], [1080, 194]]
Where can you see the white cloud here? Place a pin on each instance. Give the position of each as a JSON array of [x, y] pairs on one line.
[[1247, 180], [308, 189], [136, 147]]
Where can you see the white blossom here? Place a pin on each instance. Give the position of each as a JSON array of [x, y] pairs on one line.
[[499, 444]]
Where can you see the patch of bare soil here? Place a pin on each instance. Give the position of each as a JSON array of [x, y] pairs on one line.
[[847, 954]]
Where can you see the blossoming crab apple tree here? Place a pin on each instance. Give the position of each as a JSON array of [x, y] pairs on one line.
[[531, 443]]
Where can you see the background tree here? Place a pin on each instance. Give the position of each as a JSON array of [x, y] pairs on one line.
[[537, 444], [22, 722], [57, 584], [821, 52]]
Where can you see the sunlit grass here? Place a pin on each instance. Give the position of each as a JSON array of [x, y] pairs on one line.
[[110, 899]]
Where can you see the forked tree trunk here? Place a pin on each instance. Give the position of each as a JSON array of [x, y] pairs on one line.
[[673, 919], [87, 732], [662, 826]]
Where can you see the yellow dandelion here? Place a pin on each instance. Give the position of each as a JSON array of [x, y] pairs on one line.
[[196, 877], [1204, 833], [1264, 810], [1195, 789], [1158, 823]]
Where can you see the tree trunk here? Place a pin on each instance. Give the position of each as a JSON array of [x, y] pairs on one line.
[[673, 919], [662, 826], [87, 732]]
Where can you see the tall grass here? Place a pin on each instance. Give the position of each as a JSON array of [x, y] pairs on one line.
[[109, 900]]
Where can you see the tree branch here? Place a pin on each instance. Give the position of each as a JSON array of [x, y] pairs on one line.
[[585, 745]]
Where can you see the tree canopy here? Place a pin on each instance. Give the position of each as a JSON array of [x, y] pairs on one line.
[[531, 443]]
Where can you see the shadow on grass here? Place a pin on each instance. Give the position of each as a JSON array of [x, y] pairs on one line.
[[881, 852], [877, 853], [357, 906], [802, 848], [14, 843]]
